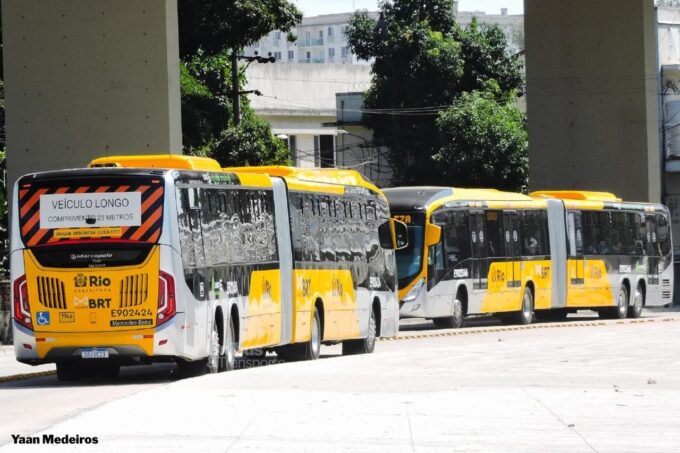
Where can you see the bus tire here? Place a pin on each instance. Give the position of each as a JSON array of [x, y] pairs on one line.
[[635, 310], [364, 345], [108, 371], [555, 314], [456, 320], [525, 315], [68, 371], [228, 360], [309, 350], [620, 310], [212, 362]]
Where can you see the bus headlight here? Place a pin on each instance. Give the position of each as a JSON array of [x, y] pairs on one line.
[[415, 291]]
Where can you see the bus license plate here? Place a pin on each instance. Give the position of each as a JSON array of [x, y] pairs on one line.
[[94, 353]]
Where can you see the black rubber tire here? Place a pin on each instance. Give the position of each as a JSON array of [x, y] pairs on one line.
[[309, 350], [525, 315], [455, 321], [635, 310], [68, 371], [228, 359], [364, 345], [108, 371], [620, 310], [554, 315]]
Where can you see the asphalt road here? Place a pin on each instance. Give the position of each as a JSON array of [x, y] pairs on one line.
[[583, 385]]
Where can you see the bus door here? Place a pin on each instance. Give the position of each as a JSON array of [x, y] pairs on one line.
[[653, 255], [576, 259], [513, 250], [480, 265]]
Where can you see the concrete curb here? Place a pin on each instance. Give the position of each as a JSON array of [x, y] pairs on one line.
[[493, 329]]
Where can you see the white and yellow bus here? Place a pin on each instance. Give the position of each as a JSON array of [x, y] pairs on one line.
[[171, 258], [475, 251]]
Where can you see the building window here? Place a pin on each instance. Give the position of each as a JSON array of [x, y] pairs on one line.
[[277, 56], [344, 51], [277, 35], [330, 31], [291, 55], [344, 29], [331, 54]]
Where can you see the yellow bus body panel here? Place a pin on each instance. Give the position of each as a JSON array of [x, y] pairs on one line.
[[595, 291], [262, 326], [82, 304], [334, 287]]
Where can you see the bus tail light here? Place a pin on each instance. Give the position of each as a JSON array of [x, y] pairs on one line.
[[22, 307], [167, 306]]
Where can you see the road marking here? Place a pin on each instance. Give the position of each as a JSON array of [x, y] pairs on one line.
[[492, 329], [24, 376]]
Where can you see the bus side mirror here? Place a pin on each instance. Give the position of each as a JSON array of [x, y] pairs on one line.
[[393, 235], [433, 234], [400, 234]]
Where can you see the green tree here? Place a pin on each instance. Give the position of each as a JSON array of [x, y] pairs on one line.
[[208, 32], [485, 142], [423, 62]]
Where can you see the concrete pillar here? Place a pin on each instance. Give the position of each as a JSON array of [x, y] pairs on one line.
[[86, 78], [592, 101]]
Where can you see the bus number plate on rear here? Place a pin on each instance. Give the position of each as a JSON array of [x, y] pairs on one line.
[[94, 353]]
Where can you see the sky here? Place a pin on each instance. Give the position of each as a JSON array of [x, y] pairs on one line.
[[316, 7]]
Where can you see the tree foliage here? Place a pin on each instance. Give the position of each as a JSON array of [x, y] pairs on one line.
[[423, 63], [485, 142], [209, 30], [214, 25]]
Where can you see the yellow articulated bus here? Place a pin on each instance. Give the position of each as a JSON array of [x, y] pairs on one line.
[[483, 251], [140, 259]]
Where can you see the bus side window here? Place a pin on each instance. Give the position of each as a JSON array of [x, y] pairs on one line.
[[184, 224], [663, 235], [456, 243], [494, 230]]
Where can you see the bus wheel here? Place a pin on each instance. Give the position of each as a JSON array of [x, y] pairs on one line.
[[213, 362], [621, 309], [526, 315], [68, 371], [313, 347], [108, 371], [365, 345], [456, 320], [228, 361], [635, 310]]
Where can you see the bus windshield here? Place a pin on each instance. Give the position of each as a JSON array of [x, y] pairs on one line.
[[410, 258]]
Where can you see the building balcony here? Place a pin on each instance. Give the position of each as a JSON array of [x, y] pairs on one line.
[[311, 60], [311, 42]]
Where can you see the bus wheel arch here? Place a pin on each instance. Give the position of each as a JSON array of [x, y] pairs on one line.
[[636, 301], [378, 314], [462, 296], [234, 318], [318, 304]]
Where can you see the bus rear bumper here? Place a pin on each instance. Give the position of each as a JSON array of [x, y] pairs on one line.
[[124, 347]]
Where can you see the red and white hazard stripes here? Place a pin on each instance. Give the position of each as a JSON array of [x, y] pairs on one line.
[[151, 220]]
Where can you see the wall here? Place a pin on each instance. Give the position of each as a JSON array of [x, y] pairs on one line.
[[86, 78], [592, 108]]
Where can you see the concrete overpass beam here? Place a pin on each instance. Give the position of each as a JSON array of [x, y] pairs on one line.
[[87, 78], [592, 100]]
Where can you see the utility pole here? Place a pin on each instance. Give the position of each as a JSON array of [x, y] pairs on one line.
[[236, 96], [235, 85]]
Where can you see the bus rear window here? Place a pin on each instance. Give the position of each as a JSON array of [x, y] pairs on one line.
[[53, 211], [91, 255]]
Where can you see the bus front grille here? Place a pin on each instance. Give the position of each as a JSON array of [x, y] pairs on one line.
[[51, 293], [134, 290]]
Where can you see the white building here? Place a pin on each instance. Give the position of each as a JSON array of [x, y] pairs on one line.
[[320, 39], [511, 24], [317, 109]]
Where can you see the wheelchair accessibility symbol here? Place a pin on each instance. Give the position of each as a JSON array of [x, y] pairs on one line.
[[43, 318]]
